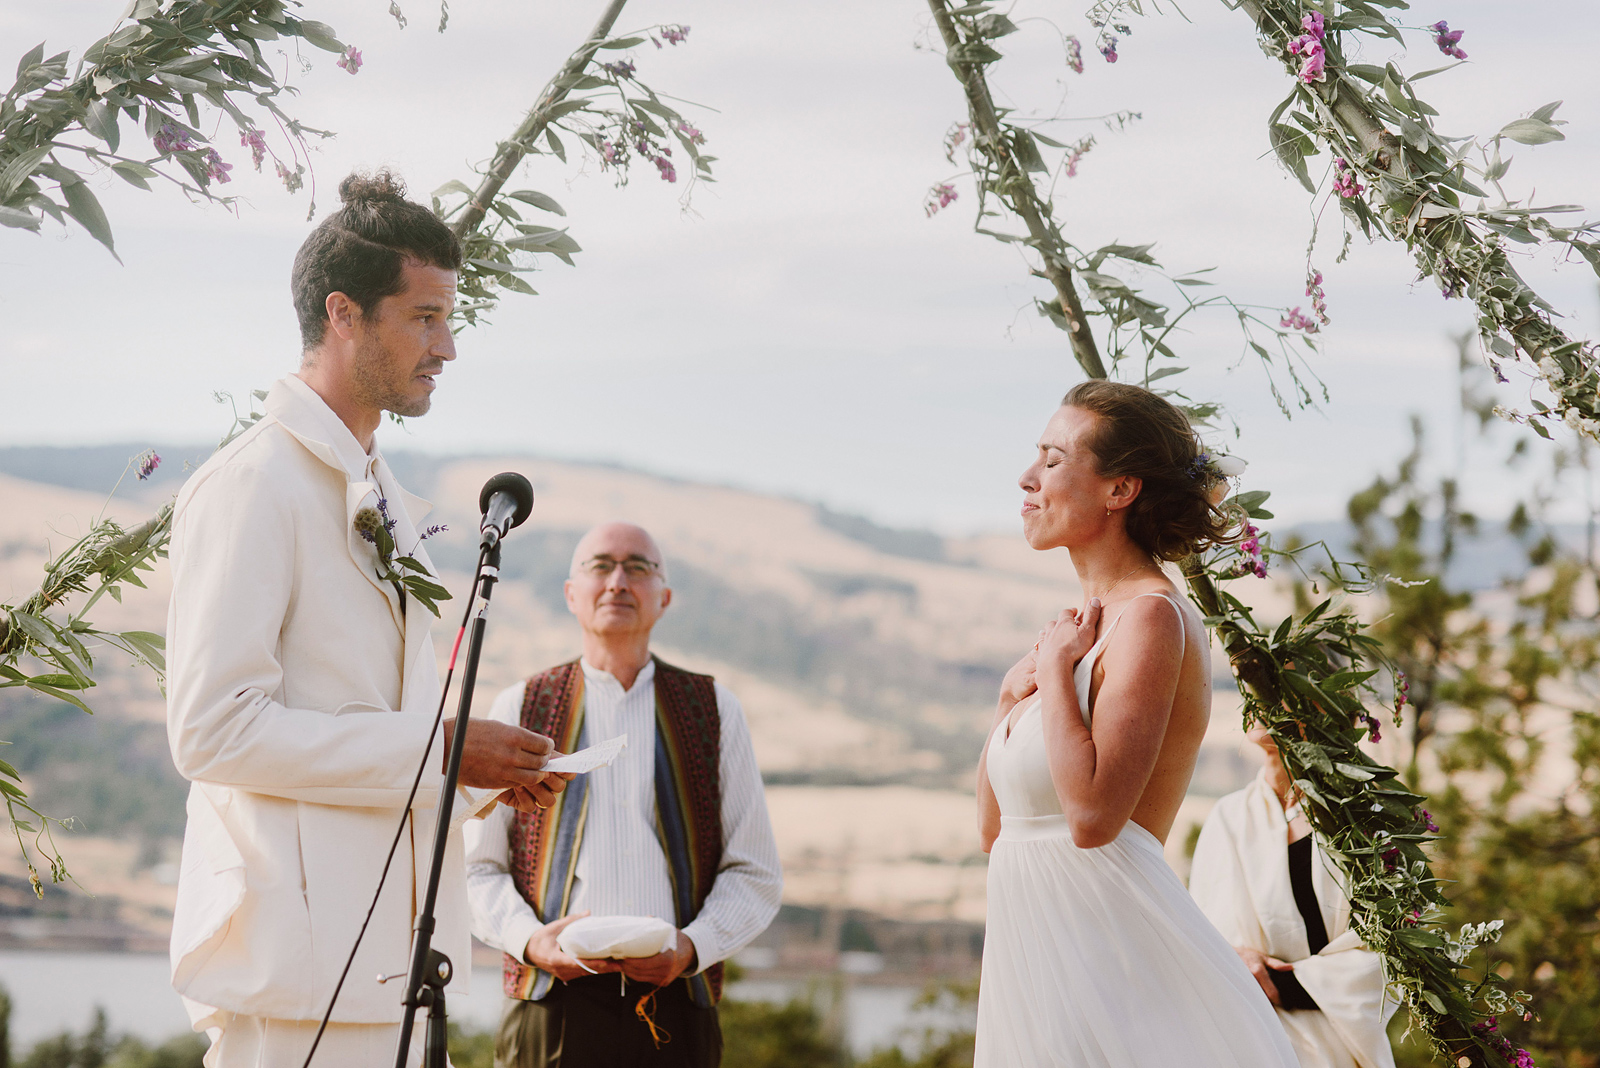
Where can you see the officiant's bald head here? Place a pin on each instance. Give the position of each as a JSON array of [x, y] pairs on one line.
[[617, 584]]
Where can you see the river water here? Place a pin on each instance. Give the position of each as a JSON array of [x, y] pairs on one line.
[[55, 992]]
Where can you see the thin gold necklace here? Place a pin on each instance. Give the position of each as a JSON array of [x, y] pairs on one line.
[[1117, 583]]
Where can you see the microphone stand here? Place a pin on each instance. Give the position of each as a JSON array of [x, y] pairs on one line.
[[430, 969]]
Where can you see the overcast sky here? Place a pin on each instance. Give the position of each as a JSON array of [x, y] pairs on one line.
[[801, 326]]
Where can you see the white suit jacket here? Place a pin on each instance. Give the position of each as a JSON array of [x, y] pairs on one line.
[[299, 702]]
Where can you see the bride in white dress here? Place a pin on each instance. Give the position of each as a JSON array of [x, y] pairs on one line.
[[1095, 954]]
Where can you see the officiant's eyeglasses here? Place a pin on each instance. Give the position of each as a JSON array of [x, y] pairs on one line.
[[635, 567]]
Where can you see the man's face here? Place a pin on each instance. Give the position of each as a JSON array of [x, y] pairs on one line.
[[617, 588], [405, 342]]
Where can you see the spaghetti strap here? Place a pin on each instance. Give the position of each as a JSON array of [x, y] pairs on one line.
[[1083, 672]]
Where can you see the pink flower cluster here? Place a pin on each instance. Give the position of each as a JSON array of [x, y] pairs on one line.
[[292, 180], [669, 173], [1446, 39], [256, 143], [1425, 818], [1391, 858], [148, 464], [940, 196], [954, 138], [622, 68], [1402, 687], [1251, 559], [1489, 1031], [1076, 153], [1308, 46], [1074, 54], [171, 139], [694, 136], [350, 60], [1319, 299], [1344, 179], [1108, 48], [673, 35], [1372, 725], [1296, 320], [216, 170]]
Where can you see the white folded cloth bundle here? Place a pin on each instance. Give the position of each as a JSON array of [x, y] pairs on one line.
[[601, 937]]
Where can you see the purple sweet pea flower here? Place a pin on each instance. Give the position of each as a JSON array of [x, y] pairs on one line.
[[1446, 39], [148, 464]]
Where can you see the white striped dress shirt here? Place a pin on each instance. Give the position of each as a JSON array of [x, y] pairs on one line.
[[622, 870]]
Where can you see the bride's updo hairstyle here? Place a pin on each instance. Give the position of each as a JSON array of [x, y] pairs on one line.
[[1139, 434]]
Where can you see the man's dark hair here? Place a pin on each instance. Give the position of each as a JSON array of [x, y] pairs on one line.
[[361, 250]]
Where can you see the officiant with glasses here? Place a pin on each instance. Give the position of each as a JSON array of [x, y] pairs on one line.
[[617, 904]]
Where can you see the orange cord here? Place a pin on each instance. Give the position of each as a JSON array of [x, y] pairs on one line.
[[644, 1011]]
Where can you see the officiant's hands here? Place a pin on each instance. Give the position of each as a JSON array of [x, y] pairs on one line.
[[544, 953], [662, 968], [1261, 966], [502, 756]]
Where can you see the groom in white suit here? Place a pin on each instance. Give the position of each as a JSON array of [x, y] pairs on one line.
[[302, 685]]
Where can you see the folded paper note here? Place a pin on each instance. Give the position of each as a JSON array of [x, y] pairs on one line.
[[596, 756]]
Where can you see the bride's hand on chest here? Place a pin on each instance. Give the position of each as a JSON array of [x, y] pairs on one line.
[[1021, 681], [1067, 639]]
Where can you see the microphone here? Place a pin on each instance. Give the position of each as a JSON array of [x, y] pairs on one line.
[[506, 501]]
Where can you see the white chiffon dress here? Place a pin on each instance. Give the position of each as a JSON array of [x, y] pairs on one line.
[[1099, 958]]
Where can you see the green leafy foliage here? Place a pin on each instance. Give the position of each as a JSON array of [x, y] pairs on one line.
[[598, 100], [1017, 185], [1405, 181], [98, 1048], [151, 77], [50, 651], [756, 1034]]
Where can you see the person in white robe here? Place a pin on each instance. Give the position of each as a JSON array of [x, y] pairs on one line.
[[302, 686], [1259, 877]]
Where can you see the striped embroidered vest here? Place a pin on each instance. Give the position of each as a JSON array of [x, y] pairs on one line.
[[545, 844]]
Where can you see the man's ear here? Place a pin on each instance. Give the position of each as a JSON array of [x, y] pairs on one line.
[[566, 591], [343, 314], [666, 598]]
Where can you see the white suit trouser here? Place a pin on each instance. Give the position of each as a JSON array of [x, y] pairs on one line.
[[261, 1042]]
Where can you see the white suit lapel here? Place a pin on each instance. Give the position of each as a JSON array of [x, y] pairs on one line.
[[304, 414], [420, 675]]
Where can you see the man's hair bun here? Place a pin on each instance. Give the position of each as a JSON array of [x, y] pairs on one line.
[[360, 188], [361, 250]]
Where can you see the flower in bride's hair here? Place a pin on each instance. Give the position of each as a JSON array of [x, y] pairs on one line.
[[368, 523], [1228, 466]]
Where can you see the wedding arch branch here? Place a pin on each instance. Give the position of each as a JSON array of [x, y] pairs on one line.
[[1006, 152], [602, 104], [1310, 678], [1397, 177]]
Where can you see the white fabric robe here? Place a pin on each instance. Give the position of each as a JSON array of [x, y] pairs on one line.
[[299, 704], [1240, 878]]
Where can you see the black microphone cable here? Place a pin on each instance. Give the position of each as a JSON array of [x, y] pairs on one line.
[[405, 815]]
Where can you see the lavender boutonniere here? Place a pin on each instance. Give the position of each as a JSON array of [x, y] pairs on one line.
[[405, 573]]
